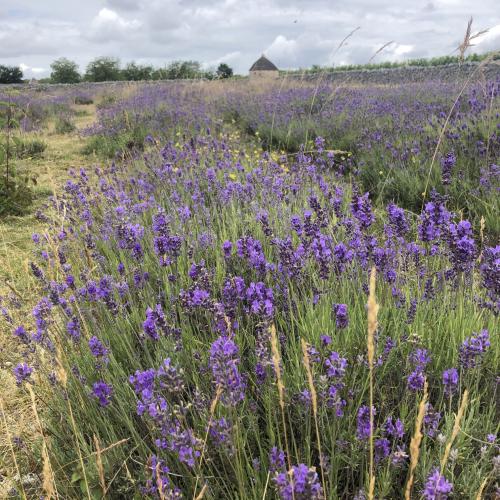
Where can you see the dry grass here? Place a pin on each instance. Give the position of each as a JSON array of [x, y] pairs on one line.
[[63, 152], [456, 429], [415, 442], [372, 329]]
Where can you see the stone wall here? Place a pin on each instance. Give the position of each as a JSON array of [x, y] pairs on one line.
[[448, 72]]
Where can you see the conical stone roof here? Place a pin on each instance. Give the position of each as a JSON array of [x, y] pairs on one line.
[[263, 64]]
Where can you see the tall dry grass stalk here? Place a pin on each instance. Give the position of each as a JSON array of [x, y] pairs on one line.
[[281, 391], [100, 468], [456, 429], [468, 37], [314, 401], [202, 492], [372, 329], [48, 482], [479, 495], [380, 50], [213, 406], [415, 442], [159, 482], [11, 446]]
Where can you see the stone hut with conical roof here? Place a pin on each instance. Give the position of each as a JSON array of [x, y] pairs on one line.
[[263, 68]]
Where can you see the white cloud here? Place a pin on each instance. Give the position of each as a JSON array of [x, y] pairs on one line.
[[283, 48], [29, 71], [109, 25], [489, 40], [229, 58]]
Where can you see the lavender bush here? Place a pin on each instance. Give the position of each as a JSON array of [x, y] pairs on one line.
[[160, 280]]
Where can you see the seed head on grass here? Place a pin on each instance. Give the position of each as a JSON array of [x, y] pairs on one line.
[[415, 442], [372, 329]]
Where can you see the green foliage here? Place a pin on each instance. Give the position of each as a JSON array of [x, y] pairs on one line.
[[137, 72], [106, 101], [83, 99], [421, 62], [122, 144], [183, 70], [224, 71], [64, 71], [10, 74], [103, 69], [16, 194], [64, 125], [25, 147]]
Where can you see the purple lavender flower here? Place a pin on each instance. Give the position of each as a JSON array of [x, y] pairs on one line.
[[341, 315], [450, 381], [462, 246], [431, 420], [160, 481], [21, 333], [433, 219], [364, 429], [300, 483], [73, 328], [394, 429], [336, 365], [102, 392], [224, 362], [227, 248], [416, 380], [420, 358], [342, 256], [397, 219], [382, 449], [22, 372], [325, 340], [41, 313], [98, 350], [436, 486], [473, 348], [490, 271], [276, 459], [447, 164], [155, 322], [220, 431], [361, 209], [260, 298]]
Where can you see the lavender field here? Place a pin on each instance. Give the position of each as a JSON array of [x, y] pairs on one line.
[[280, 290]]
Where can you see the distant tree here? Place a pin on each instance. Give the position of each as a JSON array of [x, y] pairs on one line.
[[64, 71], [184, 70], [160, 74], [11, 74], [208, 74], [135, 72], [103, 69], [224, 71]]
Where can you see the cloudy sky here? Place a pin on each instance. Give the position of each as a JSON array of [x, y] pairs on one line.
[[292, 33]]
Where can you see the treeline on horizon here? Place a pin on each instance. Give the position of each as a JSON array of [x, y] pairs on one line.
[[105, 69], [422, 62]]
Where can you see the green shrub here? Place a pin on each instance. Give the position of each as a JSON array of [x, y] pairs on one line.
[[27, 148], [83, 99], [106, 100], [121, 144], [64, 125], [15, 192]]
